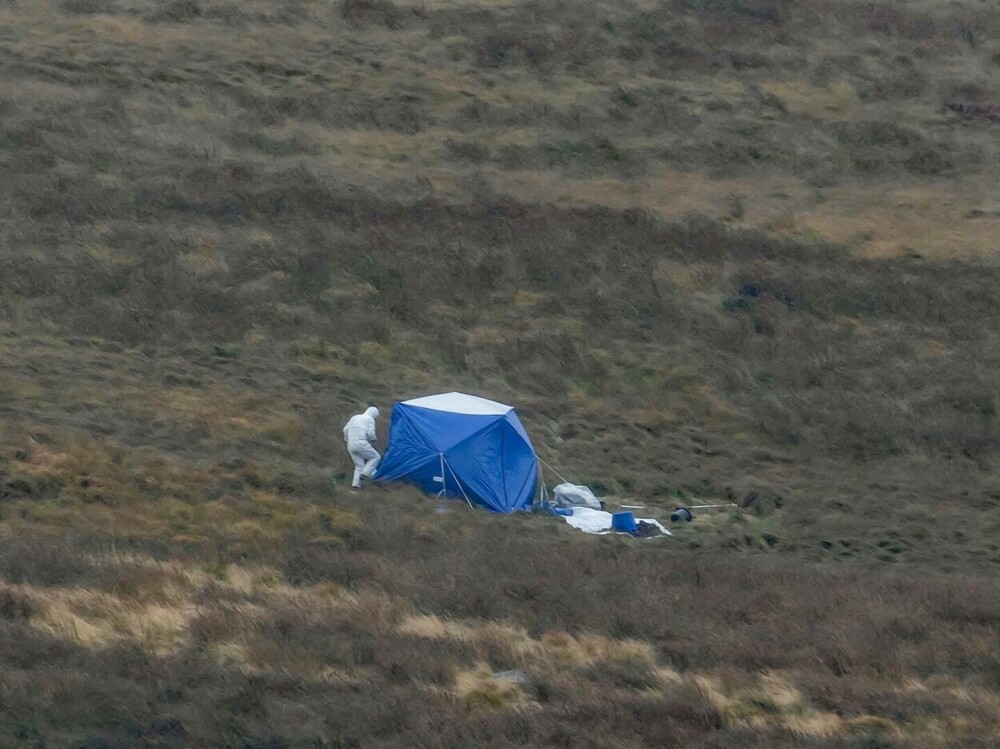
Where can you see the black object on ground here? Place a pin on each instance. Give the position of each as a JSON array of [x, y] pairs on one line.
[[681, 513], [645, 530]]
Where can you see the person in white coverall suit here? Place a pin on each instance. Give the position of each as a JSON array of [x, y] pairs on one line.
[[359, 433]]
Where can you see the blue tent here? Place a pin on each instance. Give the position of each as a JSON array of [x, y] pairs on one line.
[[461, 446]]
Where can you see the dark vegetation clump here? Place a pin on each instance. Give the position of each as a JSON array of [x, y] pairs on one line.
[[674, 615]]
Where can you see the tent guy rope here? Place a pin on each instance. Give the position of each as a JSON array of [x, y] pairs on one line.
[[558, 475]]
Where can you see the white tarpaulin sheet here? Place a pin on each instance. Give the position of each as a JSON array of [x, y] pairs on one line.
[[598, 521]]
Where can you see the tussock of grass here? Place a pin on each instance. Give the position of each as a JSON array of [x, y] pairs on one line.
[[718, 650]]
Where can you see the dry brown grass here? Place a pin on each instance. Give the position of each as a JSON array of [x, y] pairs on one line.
[[334, 638], [712, 249]]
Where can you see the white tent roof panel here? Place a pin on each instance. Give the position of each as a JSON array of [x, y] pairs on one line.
[[460, 403]]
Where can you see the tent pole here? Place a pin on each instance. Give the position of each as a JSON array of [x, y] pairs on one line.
[[544, 493], [445, 462]]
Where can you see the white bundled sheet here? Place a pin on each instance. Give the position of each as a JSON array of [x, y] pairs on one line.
[[599, 522], [573, 495]]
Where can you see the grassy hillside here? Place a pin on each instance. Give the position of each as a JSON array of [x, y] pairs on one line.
[[718, 249]]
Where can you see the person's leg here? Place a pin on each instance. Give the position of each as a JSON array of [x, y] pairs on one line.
[[359, 465], [372, 459]]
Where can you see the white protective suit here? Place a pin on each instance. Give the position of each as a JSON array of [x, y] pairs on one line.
[[359, 433]]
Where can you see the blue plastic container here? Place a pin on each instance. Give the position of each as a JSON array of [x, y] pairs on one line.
[[566, 511], [623, 522]]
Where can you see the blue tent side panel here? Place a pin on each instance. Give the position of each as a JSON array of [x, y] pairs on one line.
[[425, 476], [521, 465], [496, 467], [420, 435], [409, 450], [477, 464], [442, 429], [488, 458], [515, 424]]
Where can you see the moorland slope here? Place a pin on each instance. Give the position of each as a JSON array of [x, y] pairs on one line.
[[718, 249]]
